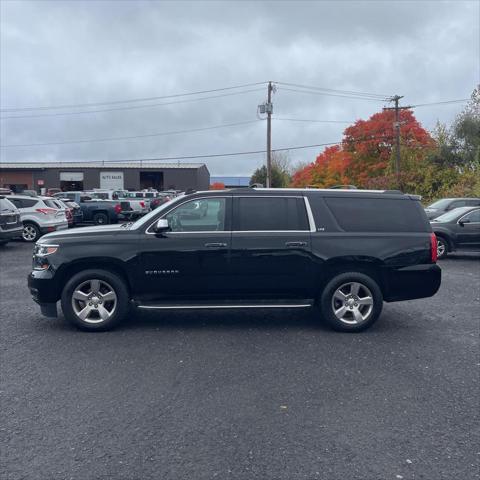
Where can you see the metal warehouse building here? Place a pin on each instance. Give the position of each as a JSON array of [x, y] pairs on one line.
[[86, 176]]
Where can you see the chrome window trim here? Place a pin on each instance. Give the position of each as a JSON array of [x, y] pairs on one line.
[[311, 220], [464, 215]]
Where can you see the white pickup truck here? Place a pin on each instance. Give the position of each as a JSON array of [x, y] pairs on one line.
[[138, 205]]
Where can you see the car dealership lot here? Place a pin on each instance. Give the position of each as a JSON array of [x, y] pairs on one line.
[[242, 395]]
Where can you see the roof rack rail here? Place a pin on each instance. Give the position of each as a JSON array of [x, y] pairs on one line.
[[393, 191]]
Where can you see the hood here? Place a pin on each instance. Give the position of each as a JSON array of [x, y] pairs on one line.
[[82, 231]]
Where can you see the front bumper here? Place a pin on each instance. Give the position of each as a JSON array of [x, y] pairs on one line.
[[409, 283]]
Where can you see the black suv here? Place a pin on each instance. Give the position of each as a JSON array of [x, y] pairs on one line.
[[343, 251]]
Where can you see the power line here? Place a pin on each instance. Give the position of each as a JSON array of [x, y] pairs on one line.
[[132, 137], [351, 92], [145, 99], [133, 107], [307, 120], [314, 92], [232, 154], [460, 100]]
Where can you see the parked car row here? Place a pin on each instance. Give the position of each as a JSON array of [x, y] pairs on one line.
[[29, 215]]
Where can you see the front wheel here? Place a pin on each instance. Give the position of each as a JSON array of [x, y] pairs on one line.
[[95, 300], [442, 247], [351, 302]]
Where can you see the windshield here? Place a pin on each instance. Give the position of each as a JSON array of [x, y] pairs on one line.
[[452, 214], [440, 203], [149, 216]]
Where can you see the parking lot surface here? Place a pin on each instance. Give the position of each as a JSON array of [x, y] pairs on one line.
[[242, 395]]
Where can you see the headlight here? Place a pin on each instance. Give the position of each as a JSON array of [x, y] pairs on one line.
[[42, 250]]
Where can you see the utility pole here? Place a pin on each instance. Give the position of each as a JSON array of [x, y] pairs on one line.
[[269, 111], [396, 126]]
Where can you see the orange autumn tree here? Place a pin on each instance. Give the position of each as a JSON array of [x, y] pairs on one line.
[[329, 169], [366, 153], [371, 145]]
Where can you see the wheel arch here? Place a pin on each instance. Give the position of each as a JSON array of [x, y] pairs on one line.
[[111, 265], [367, 265]]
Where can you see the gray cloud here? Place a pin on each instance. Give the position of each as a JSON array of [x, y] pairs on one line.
[[77, 52]]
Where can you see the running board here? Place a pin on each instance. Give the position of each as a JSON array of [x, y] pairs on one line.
[[225, 305]]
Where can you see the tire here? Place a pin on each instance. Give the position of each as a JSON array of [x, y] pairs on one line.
[[30, 232], [358, 295], [101, 218], [84, 300], [442, 247]]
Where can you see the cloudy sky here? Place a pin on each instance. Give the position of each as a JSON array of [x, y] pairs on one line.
[[74, 53]]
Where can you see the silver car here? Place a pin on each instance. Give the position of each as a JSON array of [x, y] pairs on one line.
[[39, 215]]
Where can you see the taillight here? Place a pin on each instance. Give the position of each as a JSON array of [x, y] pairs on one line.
[[433, 247], [46, 211], [118, 208], [142, 204]]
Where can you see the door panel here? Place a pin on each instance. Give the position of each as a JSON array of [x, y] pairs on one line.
[[193, 260], [272, 259], [468, 235]]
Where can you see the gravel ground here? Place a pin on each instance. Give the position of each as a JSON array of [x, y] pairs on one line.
[[244, 395]]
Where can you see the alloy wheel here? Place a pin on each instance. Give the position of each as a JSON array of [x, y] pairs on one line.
[[441, 248], [94, 301], [352, 303], [29, 233]]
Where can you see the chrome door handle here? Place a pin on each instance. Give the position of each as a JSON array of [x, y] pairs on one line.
[[296, 244], [215, 245]]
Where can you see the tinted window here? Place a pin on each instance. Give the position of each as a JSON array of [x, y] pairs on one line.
[[377, 214], [269, 213], [202, 215], [473, 203], [457, 203], [52, 204], [473, 216], [23, 202]]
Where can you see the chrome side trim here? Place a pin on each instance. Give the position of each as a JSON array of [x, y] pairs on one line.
[[311, 220], [208, 307]]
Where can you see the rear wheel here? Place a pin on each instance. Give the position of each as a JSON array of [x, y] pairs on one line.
[[30, 232], [351, 302], [100, 219], [442, 247], [95, 300]]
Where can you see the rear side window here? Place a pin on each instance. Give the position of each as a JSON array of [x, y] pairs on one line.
[[23, 202], [377, 215], [269, 213], [52, 204]]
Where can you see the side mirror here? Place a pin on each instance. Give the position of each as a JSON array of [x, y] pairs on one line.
[[463, 222], [161, 226]]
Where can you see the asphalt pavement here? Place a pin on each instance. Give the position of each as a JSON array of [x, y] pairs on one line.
[[242, 395]]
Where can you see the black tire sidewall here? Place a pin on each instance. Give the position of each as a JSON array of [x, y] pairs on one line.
[[37, 230], [326, 301], [100, 215], [116, 283]]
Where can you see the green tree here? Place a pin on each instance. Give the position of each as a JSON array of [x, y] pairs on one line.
[[280, 171]]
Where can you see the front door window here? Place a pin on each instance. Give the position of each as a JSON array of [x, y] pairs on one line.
[[201, 215]]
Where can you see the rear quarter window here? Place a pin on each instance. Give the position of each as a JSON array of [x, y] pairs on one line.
[[377, 214]]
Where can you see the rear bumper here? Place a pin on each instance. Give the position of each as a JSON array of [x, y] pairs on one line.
[[409, 283], [54, 227]]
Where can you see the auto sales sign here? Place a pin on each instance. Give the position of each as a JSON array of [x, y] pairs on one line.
[[111, 180]]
